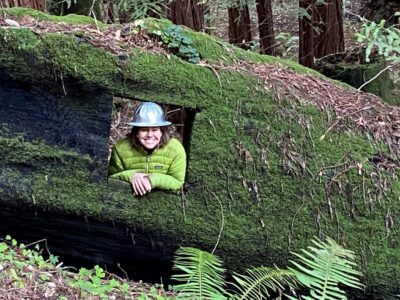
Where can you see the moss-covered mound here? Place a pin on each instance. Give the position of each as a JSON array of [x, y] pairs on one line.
[[266, 172]]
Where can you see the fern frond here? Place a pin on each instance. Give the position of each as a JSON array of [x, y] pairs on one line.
[[201, 274], [258, 282], [324, 267]]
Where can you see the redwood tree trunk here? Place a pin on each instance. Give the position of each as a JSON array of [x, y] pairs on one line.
[[306, 34], [35, 4], [328, 21], [187, 12], [320, 30], [239, 26], [265, 27]]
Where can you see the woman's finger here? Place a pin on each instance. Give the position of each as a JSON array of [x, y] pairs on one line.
[[147, 184], [141, 186], [138, 188], [133, 183]]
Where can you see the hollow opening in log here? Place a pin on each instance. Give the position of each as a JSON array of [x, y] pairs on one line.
[[182, 119]]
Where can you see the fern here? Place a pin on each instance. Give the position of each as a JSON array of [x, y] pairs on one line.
[[324, 267], [201, 274], [259, 281]]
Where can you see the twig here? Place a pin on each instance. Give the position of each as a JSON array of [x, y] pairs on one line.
[[222, 221], [376, 76], [37, 242], [123, 271], [183, 204], [330, 128]]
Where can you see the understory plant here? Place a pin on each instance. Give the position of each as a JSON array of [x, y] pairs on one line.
[[385, 39], [173, 38], [321, 268]]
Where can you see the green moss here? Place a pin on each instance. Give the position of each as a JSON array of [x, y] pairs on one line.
[[214, 50], [19, 12]]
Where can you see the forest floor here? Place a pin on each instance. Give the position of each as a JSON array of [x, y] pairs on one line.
[[26, 274]]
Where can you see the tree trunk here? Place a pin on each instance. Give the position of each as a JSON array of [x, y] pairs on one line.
[[328, 24], [187, 12], [320, 30], [35, 4], [239, 25], [306, 33], [265, 27]]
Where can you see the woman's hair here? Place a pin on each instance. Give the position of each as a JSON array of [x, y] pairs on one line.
[[132, 136]]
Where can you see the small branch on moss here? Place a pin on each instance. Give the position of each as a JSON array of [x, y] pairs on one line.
[[222, 220], [63, 86], [183, 204], [228, 189], [330, 128], [376, 76], [214, 71], [292, 223]]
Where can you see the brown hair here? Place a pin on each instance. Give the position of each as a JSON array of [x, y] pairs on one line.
[[132, 136]]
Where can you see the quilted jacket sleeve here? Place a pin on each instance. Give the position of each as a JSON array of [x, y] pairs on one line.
[[116, 168], [175, 176]]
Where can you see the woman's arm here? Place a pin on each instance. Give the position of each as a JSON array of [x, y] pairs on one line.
[[116, 169], [175, 176]]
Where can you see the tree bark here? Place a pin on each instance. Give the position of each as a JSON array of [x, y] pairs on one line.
[[239, 25], [328, 24], [187, 12], [265, 27], [306, 34], [320, 30], [35, 4]]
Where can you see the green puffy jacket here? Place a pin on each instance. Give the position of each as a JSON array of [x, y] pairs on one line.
[[166, 165]]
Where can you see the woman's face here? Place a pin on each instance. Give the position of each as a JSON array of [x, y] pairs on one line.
[[149, 137]]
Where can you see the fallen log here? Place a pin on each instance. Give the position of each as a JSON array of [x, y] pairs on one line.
[[271, 165]]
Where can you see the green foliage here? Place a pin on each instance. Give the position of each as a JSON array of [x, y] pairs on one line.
[[321, 270], [286, 43], [303, 13], [139, 9], [174, 38], [385, 39], [202, 274], [258, 282], [91, 282], [21, 267], [155, 293], [324, 267]]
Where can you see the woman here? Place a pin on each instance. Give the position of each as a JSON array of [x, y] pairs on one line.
[[148, 158]]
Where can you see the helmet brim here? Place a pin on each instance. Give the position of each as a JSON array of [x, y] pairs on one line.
[[141, 124]]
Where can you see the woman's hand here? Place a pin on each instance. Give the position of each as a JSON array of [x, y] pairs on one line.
[[140, 184]]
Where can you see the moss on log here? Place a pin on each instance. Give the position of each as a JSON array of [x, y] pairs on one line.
[[357, 74], [290, 186]]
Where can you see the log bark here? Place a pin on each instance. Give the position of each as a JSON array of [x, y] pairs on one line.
[[239, 25], [85, 242], [266, 27]]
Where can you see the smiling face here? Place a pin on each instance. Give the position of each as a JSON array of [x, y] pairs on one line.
[[149, 137]]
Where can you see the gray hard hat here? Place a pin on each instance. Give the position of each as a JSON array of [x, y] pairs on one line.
[[148, 114]]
